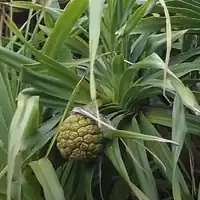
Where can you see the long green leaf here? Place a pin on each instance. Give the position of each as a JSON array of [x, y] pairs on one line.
[[70, 179], [114, 154], [163, 152], [184, 56], [56, 69], [48, 179], [13, 59], [134, 20], [36, 7], [179, 131], [24, 123], [155, 62], [164, 117], [4, 131], [8, 83], [88, 182], [158, 41], [44, 134], [95, 12], [3, 161], [178, 69], [135, 135], [53, 86], [79, 191], [117, 69], [179, 128], [64, 25], [48, 84], [26, 5], [153, 24], [5, 103], [144, 172], [46, 99]]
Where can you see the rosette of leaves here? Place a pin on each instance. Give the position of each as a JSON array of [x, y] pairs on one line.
[[121, 67]]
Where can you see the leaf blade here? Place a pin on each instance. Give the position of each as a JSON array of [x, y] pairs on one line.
[[47, 177], [61, 31]]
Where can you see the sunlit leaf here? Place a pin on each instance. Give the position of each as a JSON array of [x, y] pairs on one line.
[[135, 135], [61, 31], [48, 179], [95, 12], [24, 123]]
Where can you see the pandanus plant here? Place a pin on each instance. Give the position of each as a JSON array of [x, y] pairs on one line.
[[91, 89]]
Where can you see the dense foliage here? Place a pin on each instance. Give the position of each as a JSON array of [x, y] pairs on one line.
[[123, 60]]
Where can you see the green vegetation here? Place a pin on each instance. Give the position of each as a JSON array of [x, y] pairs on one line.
[[132, 67]]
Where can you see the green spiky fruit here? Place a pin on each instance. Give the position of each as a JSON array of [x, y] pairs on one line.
[[79, 138]]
